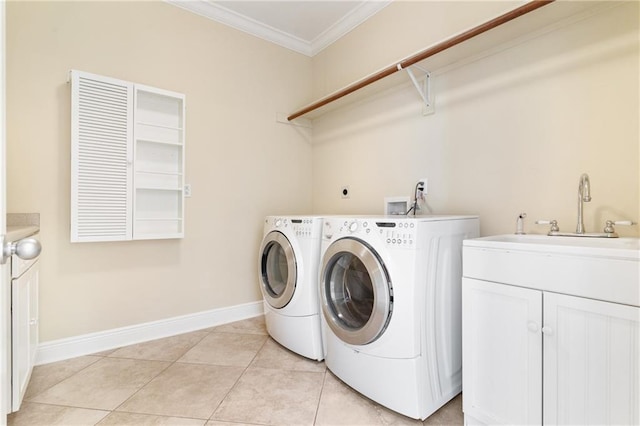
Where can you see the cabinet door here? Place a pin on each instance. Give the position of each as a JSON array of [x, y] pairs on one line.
[[591, 360], [101, 155], [24, 329], [501, 353]]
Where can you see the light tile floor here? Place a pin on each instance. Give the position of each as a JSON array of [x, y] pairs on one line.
[[233, 374]]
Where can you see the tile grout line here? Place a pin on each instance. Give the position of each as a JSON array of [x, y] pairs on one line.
[[171, 363], [30, 399], [238, 379], [324, 381]]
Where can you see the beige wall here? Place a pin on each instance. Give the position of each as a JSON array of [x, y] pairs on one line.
[[512, 132], [398, 31], [234, 85]]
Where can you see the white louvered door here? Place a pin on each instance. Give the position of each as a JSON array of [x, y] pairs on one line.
[[101, 158]]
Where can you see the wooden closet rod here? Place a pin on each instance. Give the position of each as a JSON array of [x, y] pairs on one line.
[[420, 56]]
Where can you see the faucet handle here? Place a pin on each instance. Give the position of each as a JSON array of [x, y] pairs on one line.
[[609, 225], [553, 223]]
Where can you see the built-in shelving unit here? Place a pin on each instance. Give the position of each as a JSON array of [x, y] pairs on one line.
[[159, 164], [127, 160]]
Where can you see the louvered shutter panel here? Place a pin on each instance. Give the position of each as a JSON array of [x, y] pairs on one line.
[[101, 153]]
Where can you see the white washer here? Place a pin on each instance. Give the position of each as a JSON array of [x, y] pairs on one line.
[[390, 293], [289, 259]]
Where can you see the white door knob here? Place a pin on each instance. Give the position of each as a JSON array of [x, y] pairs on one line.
[[26, 248], [533, 327]]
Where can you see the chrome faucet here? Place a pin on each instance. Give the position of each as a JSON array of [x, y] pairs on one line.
[[584, 196]]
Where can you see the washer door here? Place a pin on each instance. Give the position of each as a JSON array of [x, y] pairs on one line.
[[278, 269], [357, 296]]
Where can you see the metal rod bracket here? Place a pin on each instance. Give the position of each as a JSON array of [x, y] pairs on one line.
[[424, 88]]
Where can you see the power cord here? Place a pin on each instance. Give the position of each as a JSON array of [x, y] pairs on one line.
[[414, 207]]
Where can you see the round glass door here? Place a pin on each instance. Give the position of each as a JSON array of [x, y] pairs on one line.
[[277, 269], [357, 297]]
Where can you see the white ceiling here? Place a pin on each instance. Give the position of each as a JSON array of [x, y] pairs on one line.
[[304, 26]]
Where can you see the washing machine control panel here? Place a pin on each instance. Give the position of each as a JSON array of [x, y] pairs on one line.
[[391, 233], [397, 234]]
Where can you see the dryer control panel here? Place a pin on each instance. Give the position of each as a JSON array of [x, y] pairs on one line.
[[300, 227], [306, 228]]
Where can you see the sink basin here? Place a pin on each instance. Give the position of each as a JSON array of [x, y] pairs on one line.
[[605, 269], [620, 248]]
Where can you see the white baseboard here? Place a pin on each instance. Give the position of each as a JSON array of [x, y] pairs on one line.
[[71, 347]]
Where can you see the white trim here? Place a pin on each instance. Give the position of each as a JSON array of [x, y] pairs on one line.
[[5, 279], [347, 23], [355, 17], [58, 350], [243, 23]]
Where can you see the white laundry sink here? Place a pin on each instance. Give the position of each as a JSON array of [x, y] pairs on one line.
[[598, 268], [620, 248]]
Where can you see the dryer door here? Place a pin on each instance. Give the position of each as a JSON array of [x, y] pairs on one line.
[[356, 293], [277, 269]]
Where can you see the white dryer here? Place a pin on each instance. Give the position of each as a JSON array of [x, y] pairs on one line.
[[390, 293], [289, 259]]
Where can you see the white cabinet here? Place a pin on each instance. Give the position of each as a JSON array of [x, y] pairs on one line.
[[589, 350], [24, 325], [502, 353], [127, 179], [534, 356], [591, 361], [158, 207]]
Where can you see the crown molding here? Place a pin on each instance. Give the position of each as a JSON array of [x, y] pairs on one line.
[[347, 23], [225, 16], [243, 23]]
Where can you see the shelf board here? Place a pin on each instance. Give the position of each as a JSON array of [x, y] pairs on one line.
[[147, 140], [159, 219], [160, 126], [154, 188], [153, 172]]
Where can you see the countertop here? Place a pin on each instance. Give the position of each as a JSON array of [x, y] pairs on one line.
[[15, 233]]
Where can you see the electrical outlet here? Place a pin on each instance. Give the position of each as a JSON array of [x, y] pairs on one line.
[[422, 184], [344, 192], [187, 190]]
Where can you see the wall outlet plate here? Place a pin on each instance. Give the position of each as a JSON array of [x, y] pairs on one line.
[[187, 190]]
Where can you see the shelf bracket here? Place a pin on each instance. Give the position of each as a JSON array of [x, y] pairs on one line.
[[423, 88]]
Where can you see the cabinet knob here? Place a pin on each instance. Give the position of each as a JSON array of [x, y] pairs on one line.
[[547, 330], [533, 327]]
